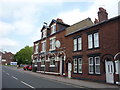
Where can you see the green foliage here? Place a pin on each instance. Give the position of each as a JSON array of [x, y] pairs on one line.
[[24, 55]]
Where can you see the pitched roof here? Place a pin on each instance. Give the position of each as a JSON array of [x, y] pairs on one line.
[[84, 23], [94, 25], [55, 21]]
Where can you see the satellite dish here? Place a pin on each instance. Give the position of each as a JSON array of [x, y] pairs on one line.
[[57, 44]]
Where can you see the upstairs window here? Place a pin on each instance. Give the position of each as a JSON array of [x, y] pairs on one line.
[[36, 48], [44, 33], [77, 44], [53, 28], [93, 40], [43, 46], [52, 43]]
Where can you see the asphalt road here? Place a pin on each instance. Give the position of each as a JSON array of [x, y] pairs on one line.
[[15, 79]]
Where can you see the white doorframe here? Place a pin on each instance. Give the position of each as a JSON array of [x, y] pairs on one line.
[[109, 71], [60, 65], [69, 70]]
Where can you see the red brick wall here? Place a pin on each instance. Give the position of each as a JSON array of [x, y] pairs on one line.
[[108, 36]]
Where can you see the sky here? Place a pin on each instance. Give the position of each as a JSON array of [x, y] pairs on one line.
[[22, 20]]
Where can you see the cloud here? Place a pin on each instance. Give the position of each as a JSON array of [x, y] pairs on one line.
[[75, 15], [37, 35], [6, 42], [6, 28]]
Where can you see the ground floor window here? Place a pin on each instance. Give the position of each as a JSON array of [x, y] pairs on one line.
[[43, 61], [94, 65], [52, 61], [77, 65]]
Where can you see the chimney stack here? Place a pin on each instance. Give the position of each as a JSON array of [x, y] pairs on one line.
[[96, 21], [102, 14], [59, 20]]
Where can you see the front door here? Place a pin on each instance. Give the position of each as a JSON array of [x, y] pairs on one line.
[[109, 71], [69, 70]]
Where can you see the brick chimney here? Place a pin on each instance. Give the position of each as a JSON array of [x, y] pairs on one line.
[[102, 14], [96, 21], [59, 20]]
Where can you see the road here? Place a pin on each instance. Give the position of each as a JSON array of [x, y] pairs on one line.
[[15, 79]]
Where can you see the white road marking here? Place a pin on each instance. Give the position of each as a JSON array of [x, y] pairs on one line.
[[15, 78], [7, 73], [28, 85]]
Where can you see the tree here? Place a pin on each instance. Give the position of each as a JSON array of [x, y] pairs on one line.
[[24, 55]]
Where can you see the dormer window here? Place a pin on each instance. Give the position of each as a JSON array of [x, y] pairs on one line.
[[44, 33], [53, 28]]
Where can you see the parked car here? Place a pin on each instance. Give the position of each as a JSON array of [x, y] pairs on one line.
[[26, 67], [30, 67]]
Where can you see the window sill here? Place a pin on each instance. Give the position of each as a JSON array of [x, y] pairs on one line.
[[42, 65], [93, 48], [51, 49], [77, 51], [94, 74], [36, 53], [52, 65], [43, 51], [77, 73]]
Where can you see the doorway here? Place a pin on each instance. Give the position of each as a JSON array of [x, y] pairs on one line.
[[69, 70], [109, 71]]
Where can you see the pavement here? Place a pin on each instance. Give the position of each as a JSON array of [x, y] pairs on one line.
[[74, 82]]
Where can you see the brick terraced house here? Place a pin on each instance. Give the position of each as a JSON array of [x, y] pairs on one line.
[[85, 50], [6, 58]]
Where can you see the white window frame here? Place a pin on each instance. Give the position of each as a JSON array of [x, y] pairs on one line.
[[36, 48], [53, 28], [96, 40], [52, 43], [91, 65], [43, 46], [75, 65], [75, 44], [52, 61], [97, 64], [43, 65], [80, 43], [116, 66], [44, 33], [90, 41], [79, 65]]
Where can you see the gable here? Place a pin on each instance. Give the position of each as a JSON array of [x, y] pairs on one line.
[[84, 23]]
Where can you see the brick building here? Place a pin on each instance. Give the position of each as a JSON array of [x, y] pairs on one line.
[[49, 51], [6, 58], [84, 50]]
